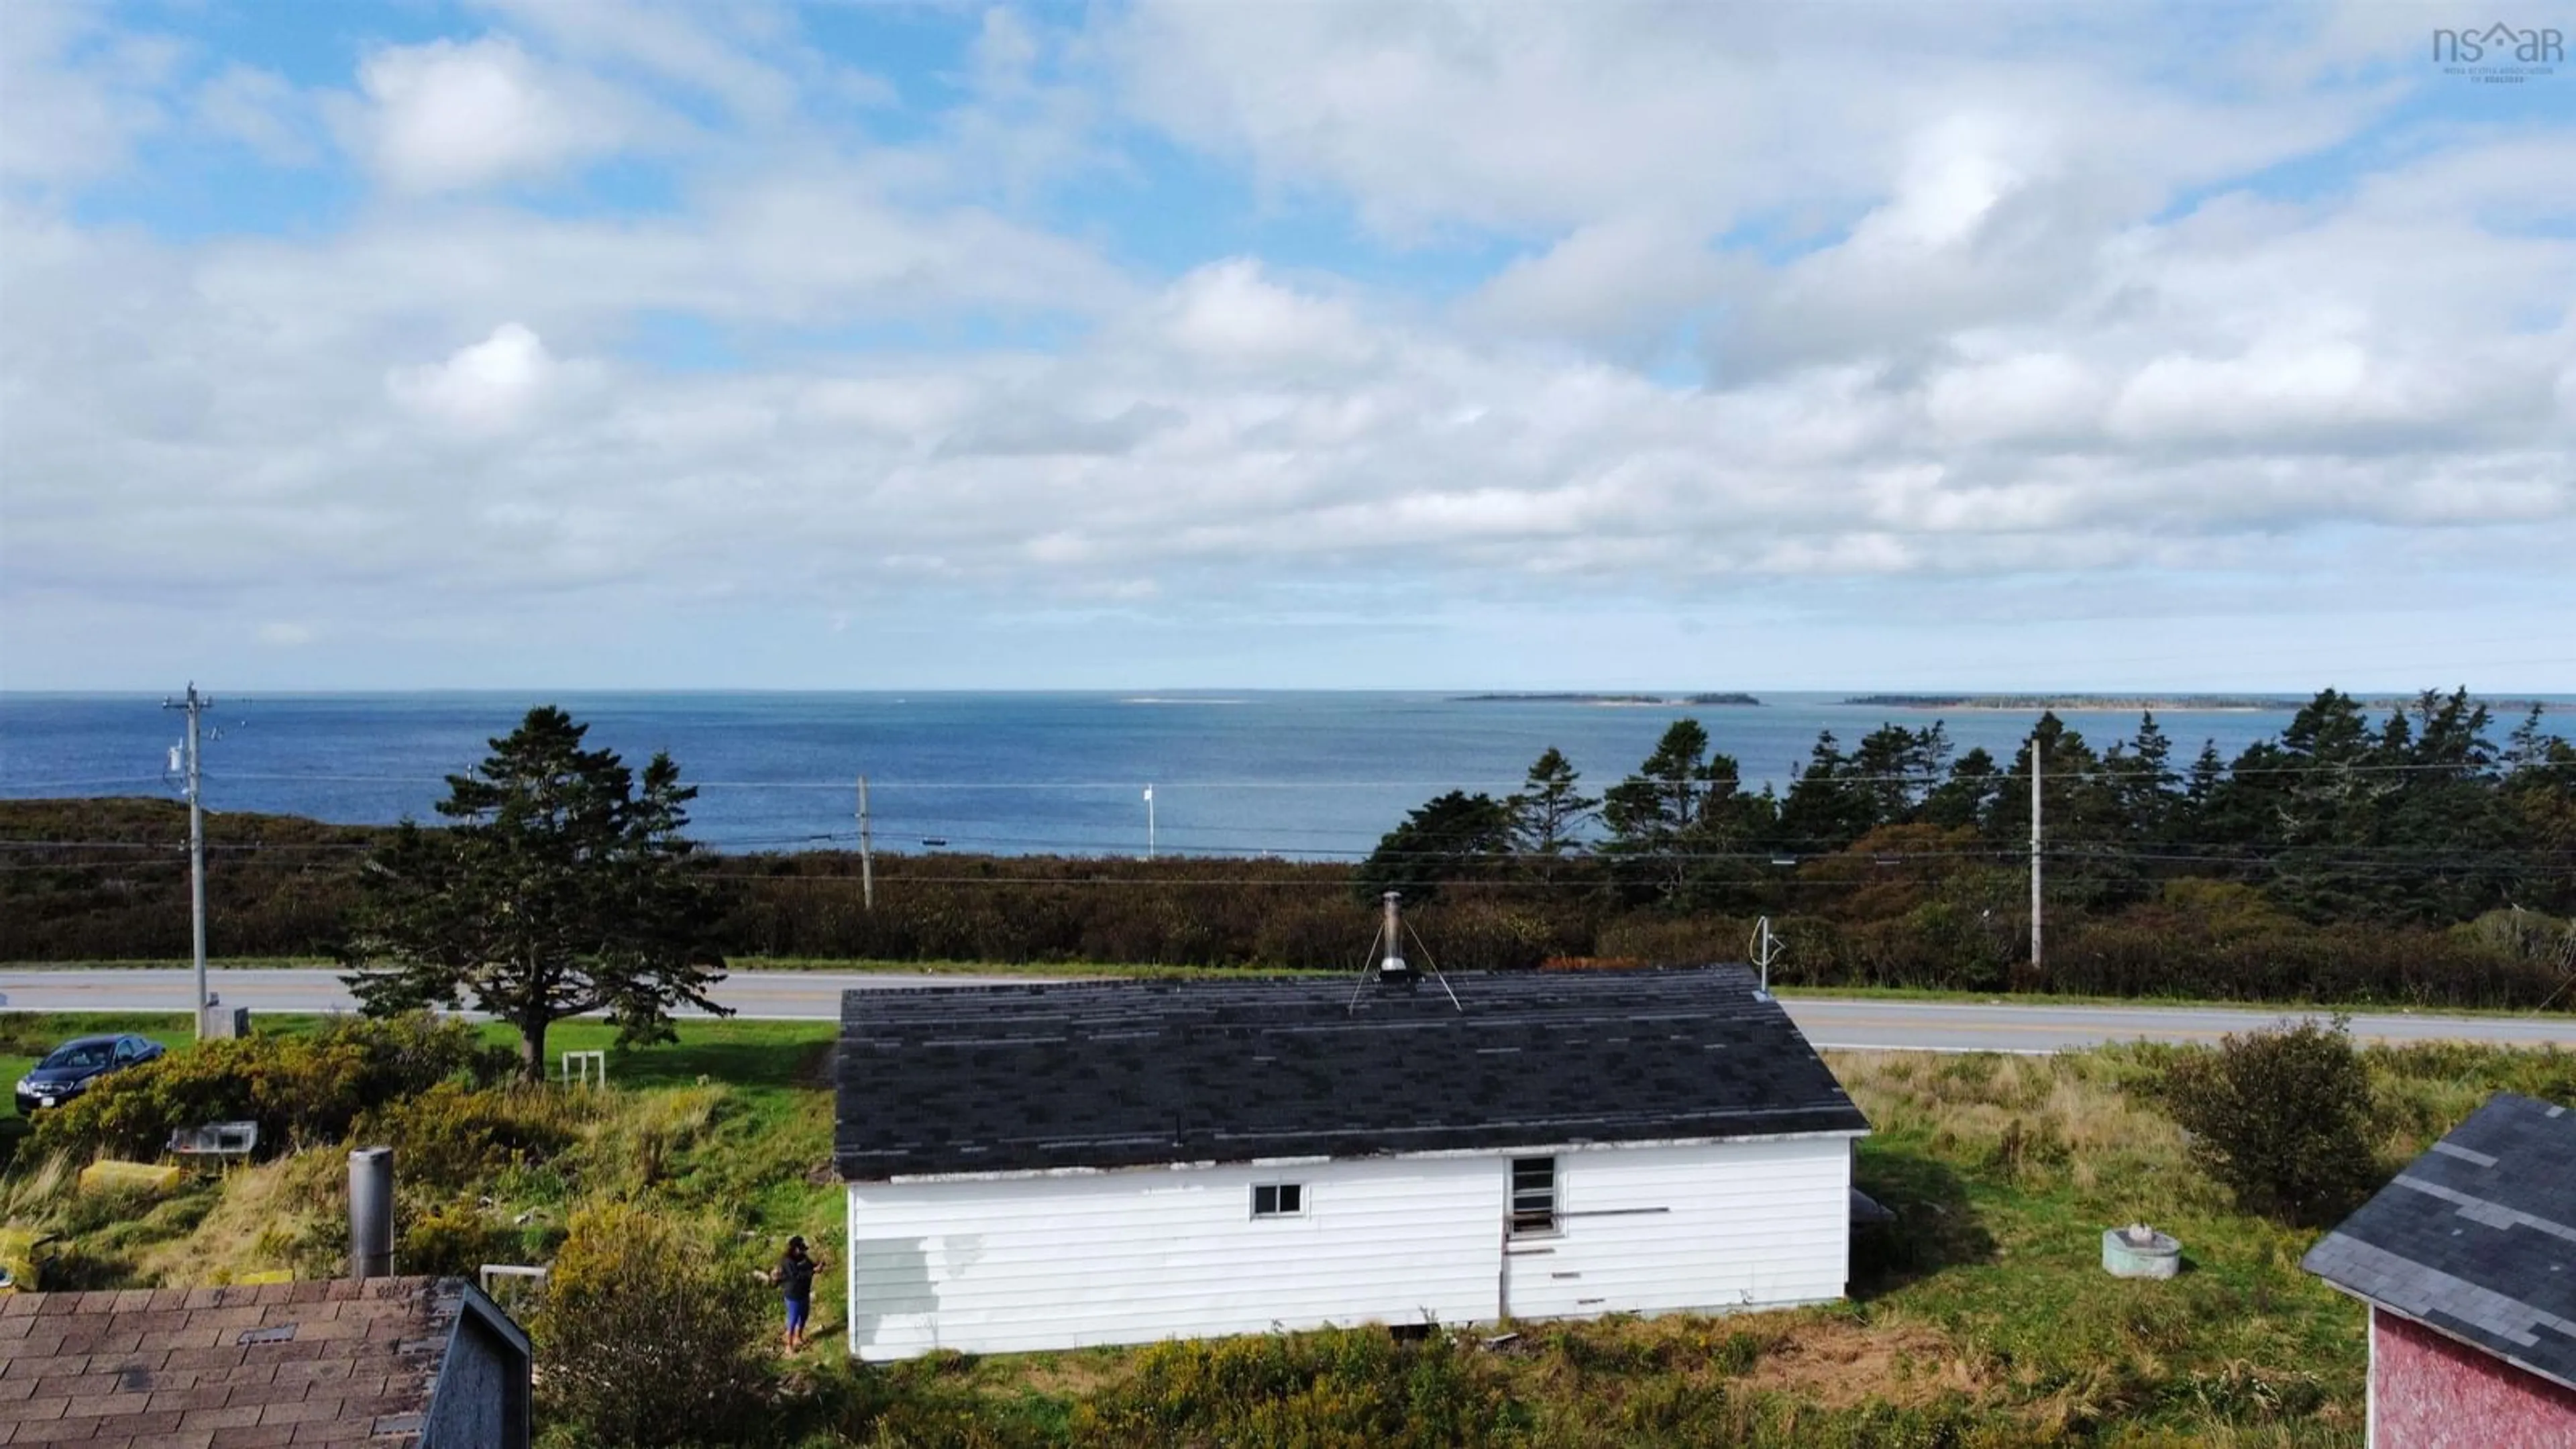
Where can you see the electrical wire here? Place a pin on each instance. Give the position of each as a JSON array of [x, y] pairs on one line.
[[2490, 770]]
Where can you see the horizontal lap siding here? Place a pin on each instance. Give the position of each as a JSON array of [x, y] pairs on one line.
[[1132, 1257], [1745, 1224], [1022, 1264]]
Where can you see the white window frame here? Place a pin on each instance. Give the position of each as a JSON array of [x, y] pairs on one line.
[[1277, 1190], [1513, 1211]]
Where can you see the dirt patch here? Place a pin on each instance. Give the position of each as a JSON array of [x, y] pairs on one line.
[[1839, 1365], [1072, 1375]]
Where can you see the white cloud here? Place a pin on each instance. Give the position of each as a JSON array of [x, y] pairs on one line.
[[1620, 285], [258, 109], [75, 96], [450, 117], [1998, 316], [1231, 315], [491, 386], [2019, 395], [721, 51], [1553, 117]]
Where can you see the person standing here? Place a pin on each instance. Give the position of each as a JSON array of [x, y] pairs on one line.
[[795, 1279]]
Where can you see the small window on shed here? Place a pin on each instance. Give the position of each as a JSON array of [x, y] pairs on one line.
[[1279, 1200], [1533, 1195]]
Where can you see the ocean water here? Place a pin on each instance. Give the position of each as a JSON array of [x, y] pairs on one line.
[[1310, 775]]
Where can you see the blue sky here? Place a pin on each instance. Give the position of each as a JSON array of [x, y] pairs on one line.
[[609, 343]]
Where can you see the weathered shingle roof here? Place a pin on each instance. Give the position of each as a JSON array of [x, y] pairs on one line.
[[270, 1363], [1130, 1073], [2477, 1237]]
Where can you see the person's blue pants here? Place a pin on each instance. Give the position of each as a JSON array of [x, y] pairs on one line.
[[796, 1310]]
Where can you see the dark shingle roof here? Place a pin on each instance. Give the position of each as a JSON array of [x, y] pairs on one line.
[[250, 1364], [2477, 1237], [1129, 1073]]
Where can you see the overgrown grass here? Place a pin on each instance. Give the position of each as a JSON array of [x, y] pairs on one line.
[[1981, 1318]]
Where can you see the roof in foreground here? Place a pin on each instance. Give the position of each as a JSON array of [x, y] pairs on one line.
[[269, 1363], [1106, 1074], [2477, 1237]]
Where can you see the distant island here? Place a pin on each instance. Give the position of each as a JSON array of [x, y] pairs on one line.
[[2074, 701], [1566, 697], [2169, 702]]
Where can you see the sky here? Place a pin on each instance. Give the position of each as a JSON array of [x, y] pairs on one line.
[[1177, 343]]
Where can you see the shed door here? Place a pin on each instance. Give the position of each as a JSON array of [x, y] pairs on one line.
[[1539, 1279]]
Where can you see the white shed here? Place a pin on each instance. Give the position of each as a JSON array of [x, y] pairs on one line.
[[1055, 1166]]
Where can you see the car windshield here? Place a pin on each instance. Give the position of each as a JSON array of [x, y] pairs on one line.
[[82, 1055]]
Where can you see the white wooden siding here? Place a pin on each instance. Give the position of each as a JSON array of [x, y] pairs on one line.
[[1014, 1264], [1660, 1229]]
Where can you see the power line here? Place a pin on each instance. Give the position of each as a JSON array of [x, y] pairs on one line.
[[2491, 770]]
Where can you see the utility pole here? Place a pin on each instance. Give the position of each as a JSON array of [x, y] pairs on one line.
[[2038, 745], [867, 852], [196, 705], [1149, 822]]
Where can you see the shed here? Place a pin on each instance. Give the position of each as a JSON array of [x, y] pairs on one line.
[[398, 1363], [1057, 1165], [2467, 1262]]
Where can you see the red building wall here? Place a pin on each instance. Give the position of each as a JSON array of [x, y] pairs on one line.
[[2432, 1392]]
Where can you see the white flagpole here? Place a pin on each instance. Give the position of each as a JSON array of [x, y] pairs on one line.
[[1149, 822]]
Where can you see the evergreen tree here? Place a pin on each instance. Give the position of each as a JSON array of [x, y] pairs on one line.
[[2540, 791], [1824, 810], [1969, 798], [560, 889], [1549, 810], [1451, 837], [1682, 825], [2143, 783], [1896, 768], [2441, 821]]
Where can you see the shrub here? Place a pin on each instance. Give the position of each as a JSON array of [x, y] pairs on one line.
[[646, 1338], [456, 1240], [1333, 1387], [2282, 1118], [453, 1137], [302, 1091]]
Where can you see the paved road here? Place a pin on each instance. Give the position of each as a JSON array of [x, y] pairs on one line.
[[1860, 1025], [1984, 1026], [763, 995]]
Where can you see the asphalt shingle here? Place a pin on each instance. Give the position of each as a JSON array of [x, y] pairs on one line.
[[2476, 1238], [269, 1363], [1131, 1073]]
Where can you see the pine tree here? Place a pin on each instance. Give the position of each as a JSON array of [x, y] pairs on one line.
[[1548, 812], [1456, 836], [560, 889], [1682, 822]]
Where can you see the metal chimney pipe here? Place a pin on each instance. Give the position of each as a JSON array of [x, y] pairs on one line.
[[371, 1212], [1393, 967]]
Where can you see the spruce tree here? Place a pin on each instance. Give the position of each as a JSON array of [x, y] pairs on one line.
[[560, 888]]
